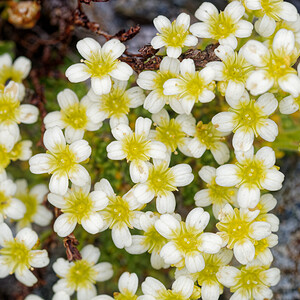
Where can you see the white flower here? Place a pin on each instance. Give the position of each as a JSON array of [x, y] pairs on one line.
[[17, 257], [191, 86], [128, 285], [99, 64], [150, 241], [136, 147], [214, 194], [16, 71], [173, 132], [33, 199], [207, 137], [12, 112], [225, 26], [187, 241], [81, 275], [248, 117], [231, 73], [174, 36], [211, 288], [120, 214], [80, 206], [161, 182], [72, 116], [250, 282], [154, 81], [116, 104], [61, 160], [10, 206], [251, 174], [273, 65], [153, 289], [240, 230], [269, 12]]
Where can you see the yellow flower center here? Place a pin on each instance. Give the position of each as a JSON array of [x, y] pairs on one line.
[[236, 68], [161, 180], [99, 66], [235, 228], [251, 172], [249, 278], [118, 211], [221, 26], [160, 80], [136, 147], [271, 8], [9, 109], [115, 103], [63, 161], [187, 241], [79, 205], [10, 73], [171, 295], [4, 157], [75, 116], [192, 86], [127, 295], [81, 274], [16, 255], [261, 245], [207, 134], [174, 36], [171, 134], [248, 116], [212, 265], [219, 194], [279, 65], [31, 205], [154, 240]]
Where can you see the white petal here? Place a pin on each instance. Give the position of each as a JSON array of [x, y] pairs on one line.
[[248, 197], [39, 258], [23, 65], [172, 86], [79, 175], [142, 126], [228, 275], [121, 236], [139, 171], [290, 84], [81, 150], [58, 183], [210, 243], [154, 102], [287, 12], [244, 251], [288, 105], [174, 52], [153, 287], [197, 149], [128, 283], [122, 72], [183, 286], [5, 60], [227, 175], [87, 292], [146, 79], [254, 52], [270, 276], [157, 42], [273, 180], [267, 103], [167, 225], [28, 237], [258, 82], [63, 225], [138, 245], [200, 30], [157, 150], [284, 40], [265, 26], [25, 277], [259, 230], [161, 23], [77, 73], [190, 41], [54, 119], [72, 135], [268, 130], [93, 224], [90, 253], [244, 29], [169, 64], [243, 139], [54, 139], [234, 90], [170, 253], [210, 291], [113, 48], [235, 10], [206, 11], [87, 47], [224, 121], [183, 174], [143, 193], [104, 270], [202, 198], [197, 219], [101, 85], [220, 152], [28, 113], [166, 203], [187, 66], [5, 234], [66, 99]]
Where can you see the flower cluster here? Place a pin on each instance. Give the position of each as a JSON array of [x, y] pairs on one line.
[[189, 109]]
